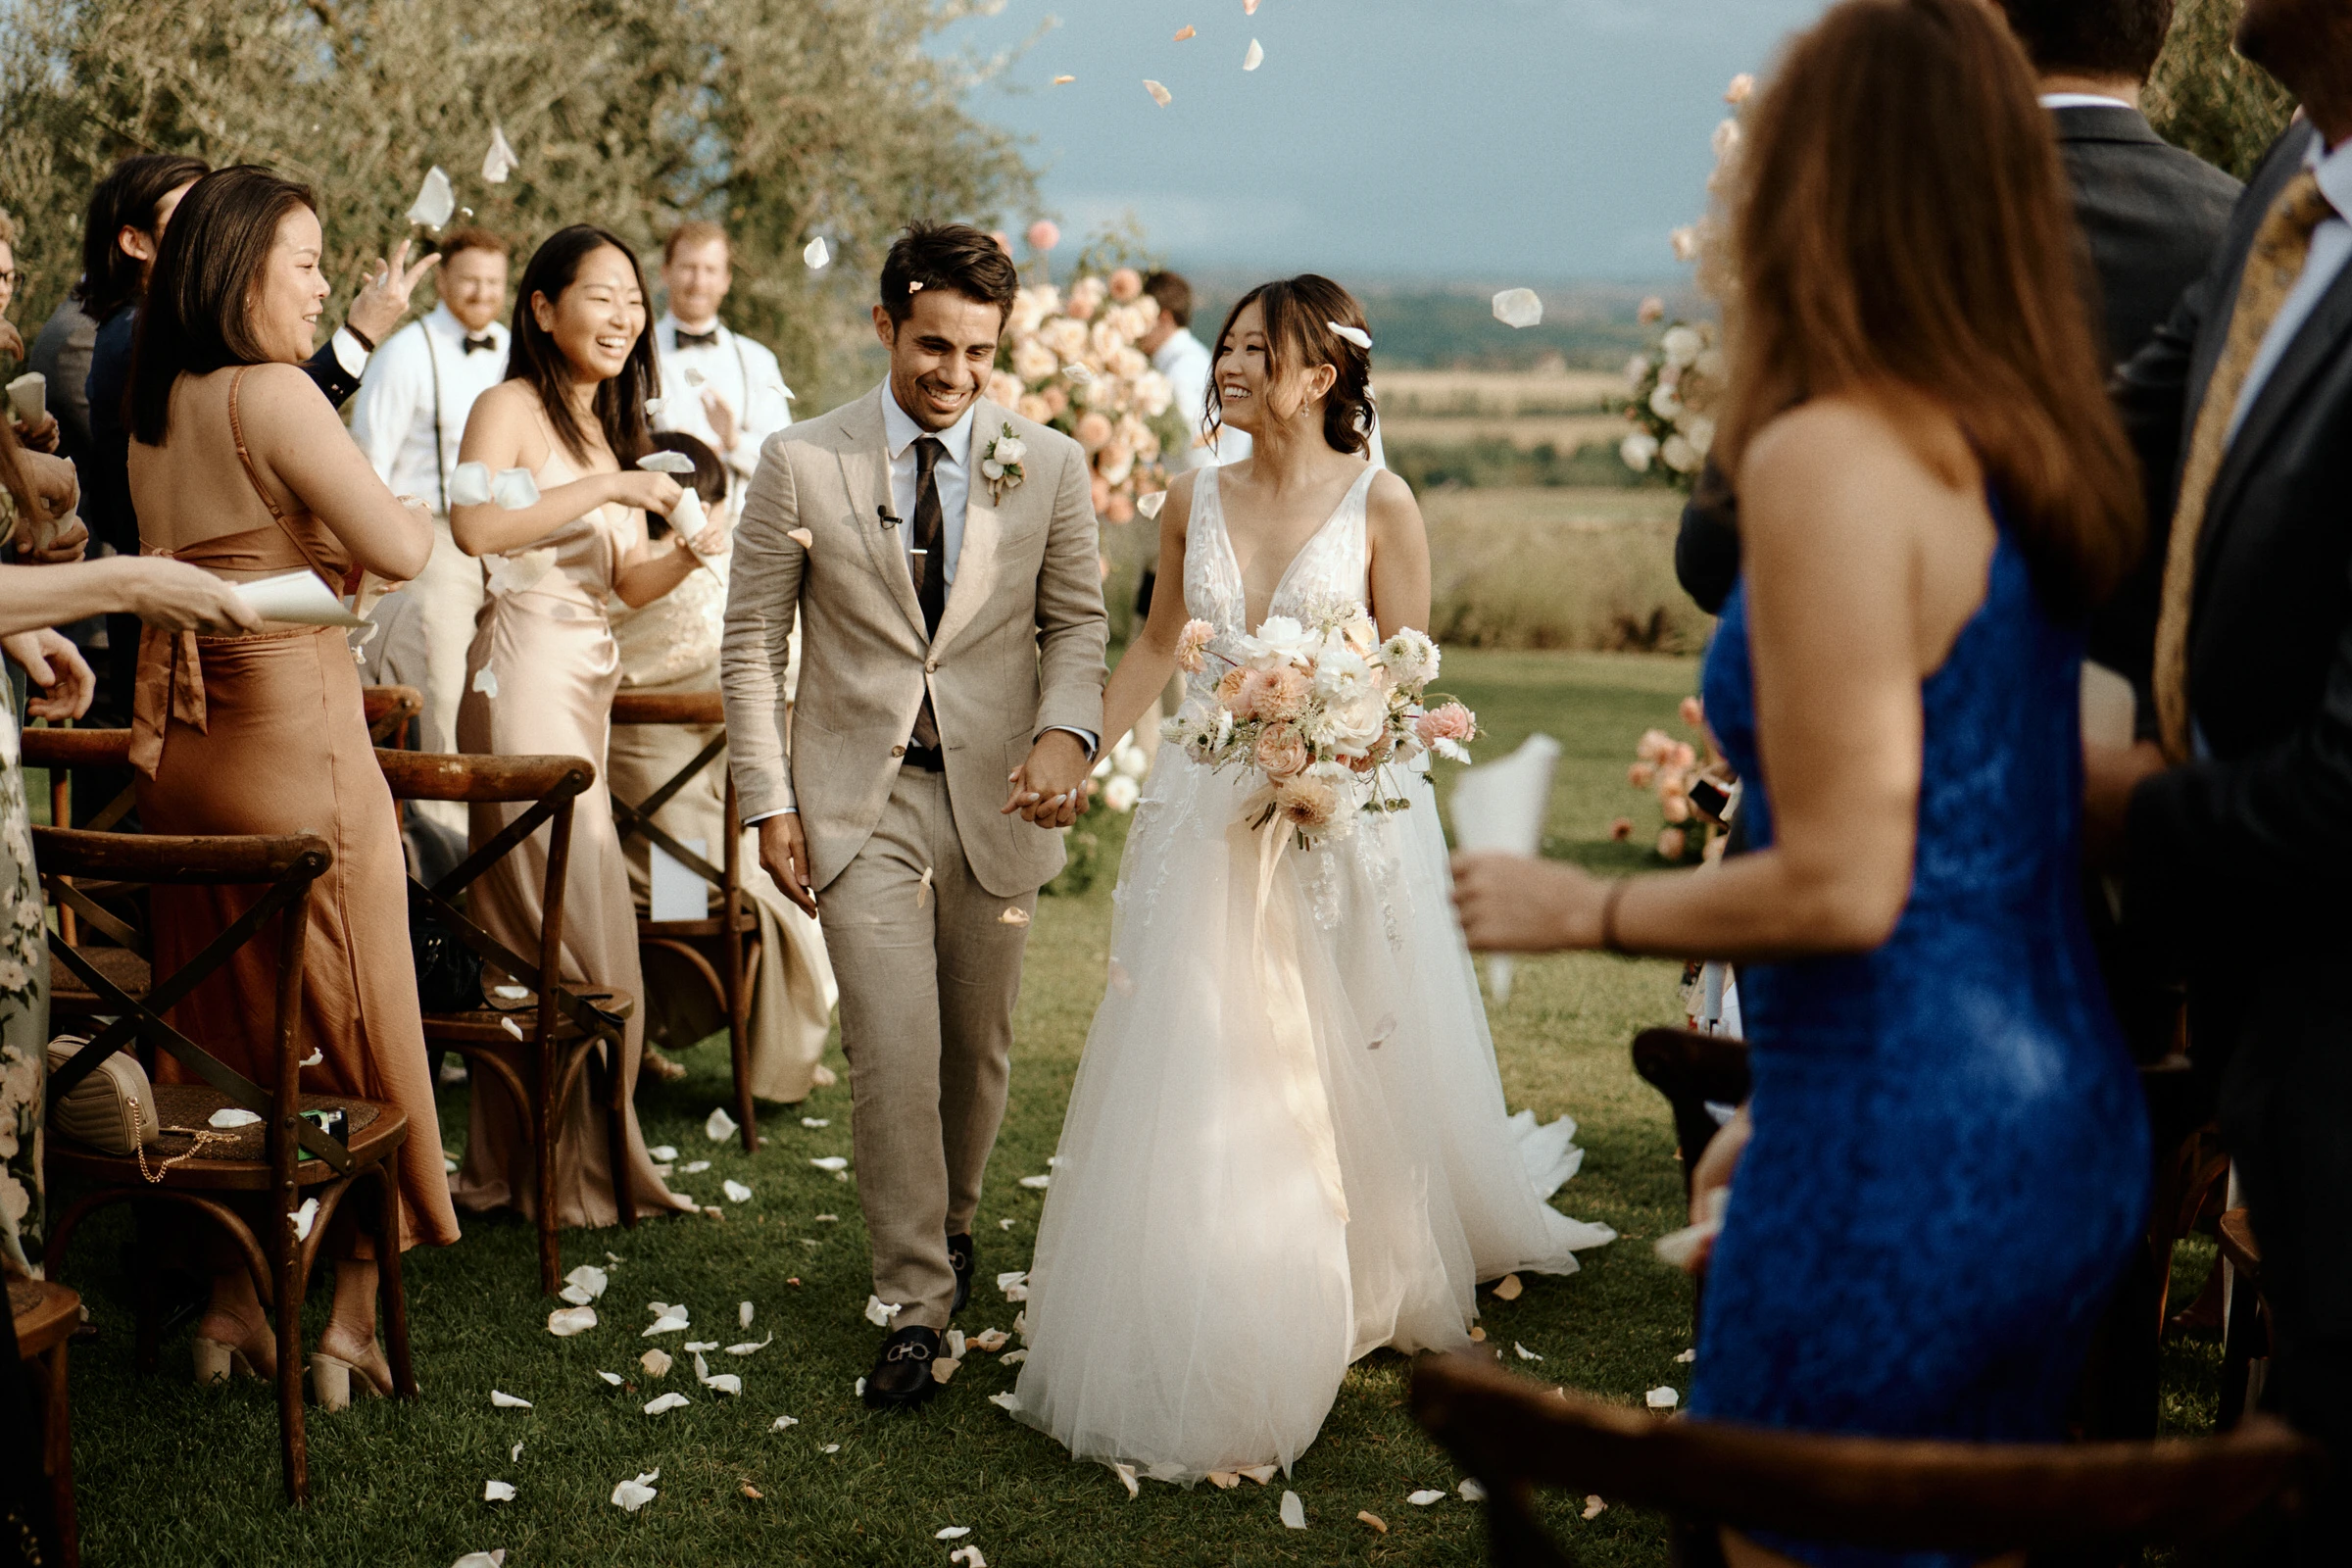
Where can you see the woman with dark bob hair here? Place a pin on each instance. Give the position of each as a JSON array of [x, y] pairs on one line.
[[239, 465], [544, 667], [1944, 1163]]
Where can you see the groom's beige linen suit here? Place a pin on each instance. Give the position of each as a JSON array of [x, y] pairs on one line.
[[929, 970]]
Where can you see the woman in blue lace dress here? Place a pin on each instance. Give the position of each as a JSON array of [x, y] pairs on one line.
[[1948, 1162]]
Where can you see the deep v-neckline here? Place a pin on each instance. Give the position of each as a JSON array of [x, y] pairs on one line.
[[1233, 560]]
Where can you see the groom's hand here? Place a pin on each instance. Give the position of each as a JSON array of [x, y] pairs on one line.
[[784, 852], [1049, 788]]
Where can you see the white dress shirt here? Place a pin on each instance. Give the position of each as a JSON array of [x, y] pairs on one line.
[[2081, 100], [739, 372], [408, 415], [2330, 250], [1187, 364], [350, 352], [952, 474]]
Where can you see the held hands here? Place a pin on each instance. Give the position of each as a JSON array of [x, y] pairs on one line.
[[1050, 788], [384, 298], [1513, 903], [784, 853], [55, 668]]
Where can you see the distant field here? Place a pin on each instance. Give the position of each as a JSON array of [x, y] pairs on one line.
[[1494, 393], [1556, 567], [1564, 431]]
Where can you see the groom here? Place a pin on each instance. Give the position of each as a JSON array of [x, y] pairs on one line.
[[948, 708]]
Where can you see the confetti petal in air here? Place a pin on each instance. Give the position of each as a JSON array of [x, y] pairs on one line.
[[802, 537], [1661, 1398], [1424, 1497], [1373, 1519], [500, 161], [832, 1162], [435, 202], [566, 1322], [736, 1192], [470, 484], [1255, 57], [1294, 1512], [654, 405], [1353, 334], [1149, 505], [1184, 32], [663, 1403], [514, 489], [303, 1218], [817, 255], [1160, 95], [667, 462], [1518, 307], [1063, 81], [1013, 917], [507, 1401], [1248, 8], [719, 1127], [498, 1491], [631, 1495]]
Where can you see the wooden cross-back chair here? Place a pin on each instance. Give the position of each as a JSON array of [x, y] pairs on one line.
[[722, 948], [190, 1165], [1516, 1435], [1691, 1070], [537, 1067], [42, 1318]]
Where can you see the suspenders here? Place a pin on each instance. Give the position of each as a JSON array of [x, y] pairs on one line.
[[432, 357]]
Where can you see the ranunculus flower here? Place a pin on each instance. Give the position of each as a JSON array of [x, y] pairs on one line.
[[1234, 692], [1674, 806], [1670, 844], [1044, 234], [1126, 283], [1281, 752], [1306, 804], [1192, 645]]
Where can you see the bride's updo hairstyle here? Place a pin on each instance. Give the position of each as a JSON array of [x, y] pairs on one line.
[[1901, 230], [1300, 314]]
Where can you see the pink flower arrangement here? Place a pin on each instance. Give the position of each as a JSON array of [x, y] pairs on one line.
[[1282, 751], [1668, 768]]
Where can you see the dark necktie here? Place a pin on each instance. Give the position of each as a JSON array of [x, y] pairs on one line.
[[480, 345], [697, 340], [929, 561]]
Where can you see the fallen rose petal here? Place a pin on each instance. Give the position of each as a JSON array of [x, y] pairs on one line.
[[1005, 1401], [1036, 1183], [1160, 95], [951, 1533], [784, 1421], [1294, 1512], [483, 1559], [879, 1313], [500, 161], [1594, 1506], [1256, 56], [1126, 1475], [694, 1348], [817, 1121], [719, 1127], [659, 1151], [663, 1403], [1689, 1356], [1012, 1358], [694, 1168], [802, 537], [1525, 1355], [1661, 1398], [485, 681], [736, 1192], [1017, 1280], [835, 1448], [1424, 1497], [724, 1382], [507, 1401], [1471, 1490], [587, 1278], [990, 1340], [969, 1557], [615, 1378], [830, 1163], [656, 1362], [1224, 1480], [833, 1165], [514, 489], [1373, 1519], [514, 1455], [1477, 1332], [566, 1322], [944, 1367], [498, 1491], [435, 202], [1002, 1224], [1260, 1473], [752, 1491], [1508, 1287], [303, 1218], [635, 1495], [667, 1323], [817, 255], [1518, 308]]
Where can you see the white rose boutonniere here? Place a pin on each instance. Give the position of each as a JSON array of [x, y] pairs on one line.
[[1001, 464]]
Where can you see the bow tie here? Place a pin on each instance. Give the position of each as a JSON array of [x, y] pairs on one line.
[[697, 340], [484, 344]]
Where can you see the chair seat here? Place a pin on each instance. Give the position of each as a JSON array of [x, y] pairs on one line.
[[234, 1160], [746, 922], [45, 1312], [119, 965], [2236, 1233], [486, 1026]]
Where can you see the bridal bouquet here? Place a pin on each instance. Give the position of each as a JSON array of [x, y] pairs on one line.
[[1319, 708]]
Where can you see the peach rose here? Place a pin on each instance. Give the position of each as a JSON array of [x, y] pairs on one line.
[[1654, 746], [1621, 831], [1121, 508], [1676, 807], [1684, 756], [1281, 752], [1670, 844], [1641, 774], [1056, 400], [1093, 433], [1101, 495], [1126, 284]]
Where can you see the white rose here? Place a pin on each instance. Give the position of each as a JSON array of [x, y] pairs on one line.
[[1701, 434], [1033, 360], [1681, 345], [1341, 676], [1637, 372], [991, 468], [1679, 455], [1353, 723], [1280, 641], [1639, 451], [1685, 243], [1664, 403], [1010, 450], [1121, 793], [1153, 394]]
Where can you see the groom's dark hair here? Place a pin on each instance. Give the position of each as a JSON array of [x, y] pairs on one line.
[[952, 256], [2091, 37]]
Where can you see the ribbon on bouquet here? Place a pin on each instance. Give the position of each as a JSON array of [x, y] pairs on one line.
[[1274, 939]]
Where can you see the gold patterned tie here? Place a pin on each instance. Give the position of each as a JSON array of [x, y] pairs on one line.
[[2272, 266]]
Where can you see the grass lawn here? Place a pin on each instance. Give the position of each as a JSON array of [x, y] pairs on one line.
[[173, 1475]]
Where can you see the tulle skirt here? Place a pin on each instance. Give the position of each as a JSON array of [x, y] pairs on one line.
[[1286, 1146]]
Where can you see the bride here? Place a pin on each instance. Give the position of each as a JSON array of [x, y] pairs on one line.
[[1280, 1154]]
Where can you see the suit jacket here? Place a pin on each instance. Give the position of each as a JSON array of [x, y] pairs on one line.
[[2151, 215], [2244, 850], [1020, 647], [61, 353]]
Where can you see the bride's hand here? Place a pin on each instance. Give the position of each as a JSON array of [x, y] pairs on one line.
[[1514, 903]]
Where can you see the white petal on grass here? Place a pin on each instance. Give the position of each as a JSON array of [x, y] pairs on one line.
[[1006, 1401], [1662, 1399], [588, 1280], [817, 1121], [667, 462], [951, 1533], [1294, 1512], [969, 1556], [613, 1378], [724, 1382], [435, 202], [514, 489], [514, 1455], [662, 1151], [303, 1218], [830, 1163], [783, 1421], [736, 1192], [483, 1559], [1525, 1355], [1015, 1283], [498, 1491], [1160, 95], [1689, 1356], [1353, 334], [566, 1322], [667, 1323], [719, 1127], [233, 1116], [1037, 1184], [655, 1362], [1002, 1224], [879, 1313], [507, 1401], [860, 1393], [750, 1347], [1012, 1358], [1471, 1490], [1126, 1475], [990, 1340], [1594, 1506], [1518, 307], [695, 1167], [816, 255], [828, 1219], [632, 1496], [696, 1346], [743, 1315], [663, 1403], [1255, 57], [500, 161], [1424, 1497]]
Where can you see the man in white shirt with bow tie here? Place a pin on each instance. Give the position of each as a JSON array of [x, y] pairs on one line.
[[718, 386], [409, 420]]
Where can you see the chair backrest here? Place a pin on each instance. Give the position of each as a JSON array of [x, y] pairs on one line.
[[62, 749], [635, 818], [389, 709], [284, 866], [549, 785], [1690, 1071], [1514, 1434]]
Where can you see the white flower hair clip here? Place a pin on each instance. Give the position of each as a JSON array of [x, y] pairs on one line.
[[1353, 334]]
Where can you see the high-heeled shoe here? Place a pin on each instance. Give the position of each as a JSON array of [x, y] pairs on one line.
[[332, 1380], [217, 1360]]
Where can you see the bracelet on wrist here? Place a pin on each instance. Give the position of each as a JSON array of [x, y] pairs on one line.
[[1608, 915], [359, 337]]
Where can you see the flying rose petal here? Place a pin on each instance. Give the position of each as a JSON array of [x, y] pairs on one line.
[[1424, 1497], [831, 1162], [566, 1322], [435, 202], [654, 405], [233, 1116], [816, 255], [1013, 917], [694, 378], [1184, 32], [1525, 1355], [784, 1421], [613, 1378], [507, 1401], [1294, 1512], [1661, 1398], [663, 1403], [498, 1491], [817, 1121], [1126, 1475], [1248, 8], [514, 489], [656, 1362], [1508, 1287], [719, 1127], [1063, 81], [1353, 334], [1255, 57], [470, 484], [667, 462], [631, 1495], [802, 537], [1518, 307], [1160, 95], [303, 1218], [500, 161]]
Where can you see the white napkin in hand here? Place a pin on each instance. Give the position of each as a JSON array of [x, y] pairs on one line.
[[28, 397], [1499, 806]]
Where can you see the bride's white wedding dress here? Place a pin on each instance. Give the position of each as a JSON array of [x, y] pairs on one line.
[[1277, 1160]]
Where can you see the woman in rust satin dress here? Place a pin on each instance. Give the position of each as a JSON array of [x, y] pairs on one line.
[[544, 668], [239, 466]]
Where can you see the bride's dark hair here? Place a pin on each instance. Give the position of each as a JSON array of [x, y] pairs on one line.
[[1301, 313]]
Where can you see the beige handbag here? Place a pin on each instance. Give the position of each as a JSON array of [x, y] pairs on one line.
[[113, 1109]]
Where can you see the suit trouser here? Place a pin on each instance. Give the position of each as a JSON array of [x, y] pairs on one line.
[[2286, 1119], [928, 979], [449, 592]]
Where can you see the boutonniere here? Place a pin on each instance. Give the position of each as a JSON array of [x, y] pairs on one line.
[[1001, 464]]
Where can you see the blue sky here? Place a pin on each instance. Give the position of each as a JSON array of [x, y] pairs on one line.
[[1539, 140]]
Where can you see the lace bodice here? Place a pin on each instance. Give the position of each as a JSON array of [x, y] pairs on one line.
[[1335, 563]]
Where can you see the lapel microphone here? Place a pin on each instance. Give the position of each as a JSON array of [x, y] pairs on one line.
[[889, 518]]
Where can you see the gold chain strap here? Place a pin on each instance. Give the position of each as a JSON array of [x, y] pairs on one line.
[[204, 1138]]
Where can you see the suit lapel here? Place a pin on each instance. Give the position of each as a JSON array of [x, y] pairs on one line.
[[983, 528], [865, 471]]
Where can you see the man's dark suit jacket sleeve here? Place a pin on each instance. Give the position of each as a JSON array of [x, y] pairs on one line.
[[1706, 548], [328, 373]]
